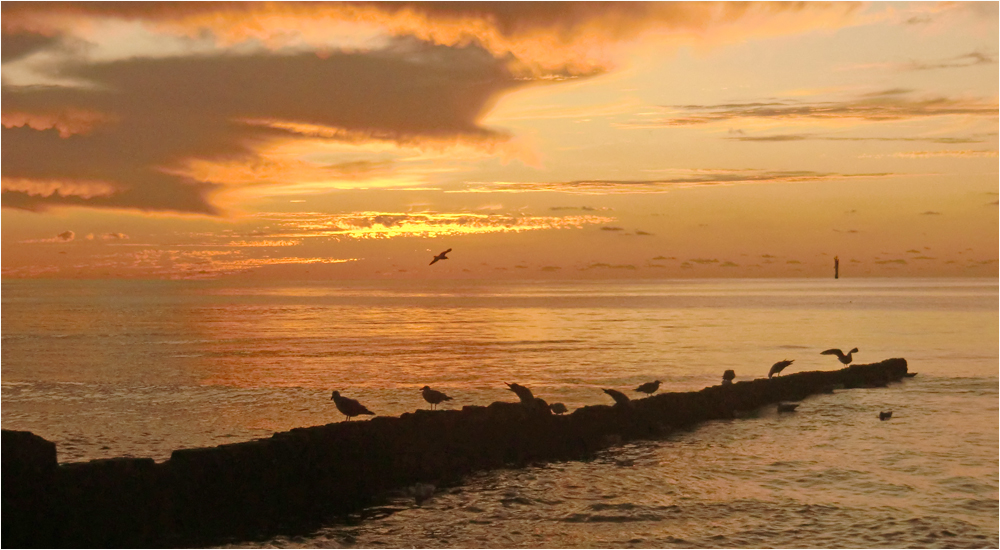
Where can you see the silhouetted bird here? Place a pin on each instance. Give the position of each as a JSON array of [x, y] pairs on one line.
[[885, 415], [779, 366], [619, 397], [649, 387], [845, 359], [910, 374], [728, 376], [787, 407], [441, 256], [349, 407], [421, 492], [558, 408], [433, 396], [523, 393]]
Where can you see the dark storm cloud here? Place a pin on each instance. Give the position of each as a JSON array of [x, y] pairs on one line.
[[157, 113]]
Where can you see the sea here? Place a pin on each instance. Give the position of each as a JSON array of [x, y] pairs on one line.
[[139, 368]]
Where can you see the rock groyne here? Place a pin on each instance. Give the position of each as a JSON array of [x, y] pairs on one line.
[[294, 480]]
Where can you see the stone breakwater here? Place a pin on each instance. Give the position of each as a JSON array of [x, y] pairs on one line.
[[293, 480]]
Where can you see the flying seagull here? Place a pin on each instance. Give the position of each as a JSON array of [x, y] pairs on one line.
[[433, 396], [845, 359], [885, 415], [619, 397], [558, 408], [728, 376], [441, 256], [350, 407], [779, 366], [649, 388], [523, 393]]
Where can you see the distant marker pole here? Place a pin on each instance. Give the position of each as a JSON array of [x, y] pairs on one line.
[[836, 267]]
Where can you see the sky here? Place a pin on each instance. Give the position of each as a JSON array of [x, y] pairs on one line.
[[202, 140]]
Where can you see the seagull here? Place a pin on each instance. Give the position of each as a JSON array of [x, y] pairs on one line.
[[779, 366], [845, 359], [441, 256], [558, 408], [885, 415], [787, 407], [649, 388], [728, 376], [350, 407], [523, 393], [433, 396], [619, 397], [421, 492]]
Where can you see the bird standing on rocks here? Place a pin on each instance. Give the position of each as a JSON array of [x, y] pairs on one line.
[[619, 397], [787, 407], [433, 396], [558, 408], [649, 388], [779, 366], [845, 359], [523, 393], [885, 415], [350, 407], [441, 256], [728, 376]]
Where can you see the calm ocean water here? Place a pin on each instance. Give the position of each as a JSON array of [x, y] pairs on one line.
[[140, 368]]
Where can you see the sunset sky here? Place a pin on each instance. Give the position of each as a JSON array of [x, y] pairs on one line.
[[537, 140]]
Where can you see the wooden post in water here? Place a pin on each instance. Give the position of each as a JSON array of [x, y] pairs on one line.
[[836, 267]]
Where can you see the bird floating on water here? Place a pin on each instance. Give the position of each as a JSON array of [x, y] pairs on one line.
[[728, 376], [910, 374], [619, 397], [779, 366], [350, 407], [649, 387], [441, 256], [787, 407], [523, 393], [558, 408], [845, 359], [885, 415], [421, 492], [433, 396]]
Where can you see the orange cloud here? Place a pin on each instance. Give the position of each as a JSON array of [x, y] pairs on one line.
[[932, 154], [385, 225], [886, 105], [64, 188], [68, 121], [558, 39], [685, 178]]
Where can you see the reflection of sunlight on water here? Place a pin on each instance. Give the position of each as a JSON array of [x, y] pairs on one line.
[[143, 368], [831, 475]]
